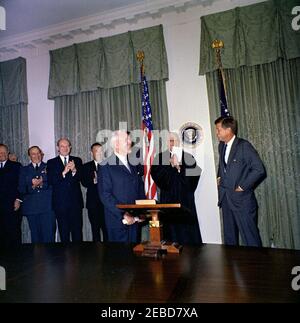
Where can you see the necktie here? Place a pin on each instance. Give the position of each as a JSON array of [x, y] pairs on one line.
[[97, 167], [224, 152], [36, 167], [65, 161], [127, 165], [1, 165]]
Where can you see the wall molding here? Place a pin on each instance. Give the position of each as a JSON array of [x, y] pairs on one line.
[[72, 30]]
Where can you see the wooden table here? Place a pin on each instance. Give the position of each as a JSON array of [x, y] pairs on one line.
[[113, 273], [156, 246]]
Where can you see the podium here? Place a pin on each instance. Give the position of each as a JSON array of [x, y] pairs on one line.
[[156, 246]]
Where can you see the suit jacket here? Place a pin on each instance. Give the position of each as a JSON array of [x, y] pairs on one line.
[[9, 177], [116, 185], [245, 169], [87, 180], [38, 200], [65, 191]]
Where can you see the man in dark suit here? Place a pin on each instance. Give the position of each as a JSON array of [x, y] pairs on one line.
[[64, 174], [93, 203], [176, 173], [10, 219], [120, 183], [240, 172], [37, 198]]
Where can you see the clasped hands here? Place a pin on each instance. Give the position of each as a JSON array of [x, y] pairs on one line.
[[69, 167], [37, 182]]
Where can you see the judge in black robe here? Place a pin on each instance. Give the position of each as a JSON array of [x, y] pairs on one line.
[[177, 184]]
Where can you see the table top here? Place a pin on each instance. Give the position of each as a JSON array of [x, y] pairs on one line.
[[101, 273]]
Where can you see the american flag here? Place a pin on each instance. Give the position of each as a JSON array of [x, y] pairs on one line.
[[148, 140]]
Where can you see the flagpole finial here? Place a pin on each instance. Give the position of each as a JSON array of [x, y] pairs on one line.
[[217, 44], [140, 56]]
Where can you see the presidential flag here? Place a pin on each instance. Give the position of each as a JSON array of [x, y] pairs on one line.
[[223, 100]]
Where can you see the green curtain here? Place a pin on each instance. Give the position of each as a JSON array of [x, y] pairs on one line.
[[265, 99], [13, 107], [255, 34], [14, 115], [96, 85], [107, 62], [80, 117]]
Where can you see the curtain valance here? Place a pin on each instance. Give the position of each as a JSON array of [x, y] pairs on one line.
[[13, 82], [252, 35], [107, 62]]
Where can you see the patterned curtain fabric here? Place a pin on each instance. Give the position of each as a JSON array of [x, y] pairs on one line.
[[107, 62], [265, 99], [253, 35], [14, 115], [13, 107], [80, 117]]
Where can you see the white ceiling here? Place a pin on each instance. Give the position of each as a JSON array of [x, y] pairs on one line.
[[28, 15]]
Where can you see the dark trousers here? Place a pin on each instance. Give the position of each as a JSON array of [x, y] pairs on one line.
[[42, 227], [96, 217], [243, 222], [126, 233], [10, 228], [69, 221]]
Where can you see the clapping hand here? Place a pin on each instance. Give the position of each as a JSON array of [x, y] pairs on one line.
[[72, 166], [37, 182], [175, 163], [17, 205], [69, 167]]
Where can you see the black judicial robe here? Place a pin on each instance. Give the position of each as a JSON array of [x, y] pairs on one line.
[[178, 187]]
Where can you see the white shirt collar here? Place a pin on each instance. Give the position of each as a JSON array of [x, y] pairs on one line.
[[228, 148], [63, 158], [3, 163], [230, 142]]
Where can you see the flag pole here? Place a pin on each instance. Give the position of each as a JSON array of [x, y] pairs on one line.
[[140, 56], [217, 45]]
